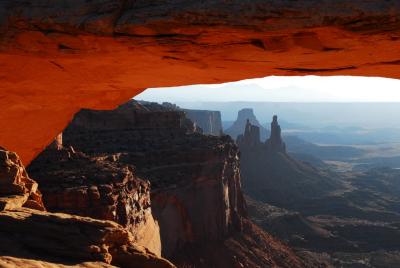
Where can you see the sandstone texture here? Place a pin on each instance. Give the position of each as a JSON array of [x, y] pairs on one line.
[[67, 239], [60, 56], [100, 188], [16, 188], [12, 262], [32, 237]]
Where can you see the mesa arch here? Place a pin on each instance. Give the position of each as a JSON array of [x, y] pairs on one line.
[[59, 56]]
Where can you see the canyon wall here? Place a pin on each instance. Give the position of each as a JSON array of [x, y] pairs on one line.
[[187, 172], [209, 121], [196, 197], [60, 56]]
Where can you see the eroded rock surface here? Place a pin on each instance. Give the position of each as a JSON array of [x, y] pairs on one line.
[[67, 239], [16, 188], [97, 187], [37, 238]]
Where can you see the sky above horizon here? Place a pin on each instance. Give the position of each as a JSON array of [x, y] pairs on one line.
[[284, 89]]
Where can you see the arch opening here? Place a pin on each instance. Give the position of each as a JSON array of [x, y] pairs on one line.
[[321, 174]]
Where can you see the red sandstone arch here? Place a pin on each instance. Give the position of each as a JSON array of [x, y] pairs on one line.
[[59, 56]]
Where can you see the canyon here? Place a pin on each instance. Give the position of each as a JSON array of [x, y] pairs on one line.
[[344, 219], [189, 208], [59, 57]]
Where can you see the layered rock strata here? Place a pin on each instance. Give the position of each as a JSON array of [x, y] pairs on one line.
[[196, 189], [66, 239], [36, 238], [187, 170], [97, 187]]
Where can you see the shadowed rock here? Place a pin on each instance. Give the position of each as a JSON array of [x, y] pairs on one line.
[[16, 188]]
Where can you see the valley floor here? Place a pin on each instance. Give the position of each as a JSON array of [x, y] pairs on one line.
[[356, 226]]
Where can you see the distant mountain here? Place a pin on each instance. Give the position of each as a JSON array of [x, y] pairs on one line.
[[297, 145], [238, 126]]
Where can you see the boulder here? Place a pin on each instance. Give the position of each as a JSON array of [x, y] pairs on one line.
[[16, 188], [70, 240]]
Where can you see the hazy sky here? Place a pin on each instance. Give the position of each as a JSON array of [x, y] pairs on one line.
[[285, 89]]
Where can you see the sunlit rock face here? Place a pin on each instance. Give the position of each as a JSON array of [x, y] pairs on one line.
[[195, 179], [96, 187], [32, 237], [17, 189], [59, 56]]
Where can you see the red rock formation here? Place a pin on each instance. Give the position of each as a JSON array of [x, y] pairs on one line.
[[97, 187], [66, 239], [55, 238], [16, 188], [60, 56], [252, 247]]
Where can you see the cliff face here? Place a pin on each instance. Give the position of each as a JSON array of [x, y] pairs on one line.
[[187, 171], [31, 237], [196, 195], [17, 189], [97, 187], [209, 121]]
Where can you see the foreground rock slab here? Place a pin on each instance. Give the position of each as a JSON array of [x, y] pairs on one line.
[[67, 239], [12, 262]]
